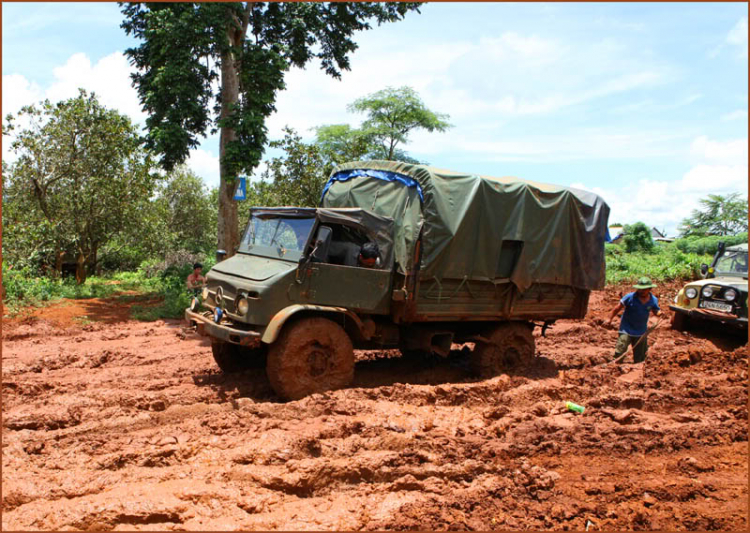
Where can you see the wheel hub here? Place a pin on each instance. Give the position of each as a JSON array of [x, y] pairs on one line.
[[317, 362]]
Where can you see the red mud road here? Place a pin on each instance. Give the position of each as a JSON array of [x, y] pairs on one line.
[[116, 424]]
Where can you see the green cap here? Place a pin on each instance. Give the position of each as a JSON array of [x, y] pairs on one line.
[[644, 283]]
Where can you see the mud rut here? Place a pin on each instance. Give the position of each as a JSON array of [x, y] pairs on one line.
[[125, 425]]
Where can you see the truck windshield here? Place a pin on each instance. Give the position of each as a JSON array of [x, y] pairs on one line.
[[732, 263], [276, 236]]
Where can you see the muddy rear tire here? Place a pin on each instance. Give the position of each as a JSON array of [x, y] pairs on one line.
[[235, 358], [679, 321], [311, 355], [511, 345]]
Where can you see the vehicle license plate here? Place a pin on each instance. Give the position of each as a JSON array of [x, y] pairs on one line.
[[718, 306]]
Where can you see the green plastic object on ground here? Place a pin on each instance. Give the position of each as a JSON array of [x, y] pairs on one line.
[[570, 406]]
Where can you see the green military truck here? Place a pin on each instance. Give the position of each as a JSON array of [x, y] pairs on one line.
[[461, 258]]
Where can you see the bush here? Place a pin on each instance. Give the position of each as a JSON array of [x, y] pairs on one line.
[[708, 245], [666, 263], [171, 274], [637, 238]]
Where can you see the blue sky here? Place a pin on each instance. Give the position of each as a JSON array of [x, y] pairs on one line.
[[643, 103]]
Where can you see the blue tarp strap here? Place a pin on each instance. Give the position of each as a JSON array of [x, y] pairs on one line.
[[346, 175]]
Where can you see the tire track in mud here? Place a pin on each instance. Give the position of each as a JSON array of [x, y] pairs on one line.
[[154, 437]]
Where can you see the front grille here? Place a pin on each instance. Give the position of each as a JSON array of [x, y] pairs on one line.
[[223, 296]]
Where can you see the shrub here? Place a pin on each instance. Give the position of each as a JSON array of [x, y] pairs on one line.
[[664, 264], [637, 238], [708, 245]]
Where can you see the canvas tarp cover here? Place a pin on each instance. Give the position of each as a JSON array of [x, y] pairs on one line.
[[465, 219]]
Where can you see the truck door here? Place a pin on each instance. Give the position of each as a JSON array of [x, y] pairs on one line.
[[342, 280]]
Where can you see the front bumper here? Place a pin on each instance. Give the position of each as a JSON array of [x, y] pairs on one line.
[[711, 314], [206, 326]]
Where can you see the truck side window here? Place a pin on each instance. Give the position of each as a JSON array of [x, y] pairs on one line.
[[510, 251], [346, 243]]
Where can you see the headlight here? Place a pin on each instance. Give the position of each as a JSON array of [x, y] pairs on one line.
[[730, 295], [243, 306], [204, 293], [707, 291], [691, 292]]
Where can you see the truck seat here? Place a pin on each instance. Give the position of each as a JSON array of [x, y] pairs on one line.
[[343, 253]]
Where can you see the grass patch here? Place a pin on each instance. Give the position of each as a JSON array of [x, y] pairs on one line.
[[173, 305]]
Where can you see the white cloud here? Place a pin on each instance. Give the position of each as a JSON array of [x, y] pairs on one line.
[[737, 114], [737, 36], [732, 152], [206, 165], [109, 78], [18, 92], [664, 204], [715, 179]]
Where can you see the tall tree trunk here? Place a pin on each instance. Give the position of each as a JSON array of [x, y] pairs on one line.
[[59, 255], [228, 230], [91, 259], [80, 268]]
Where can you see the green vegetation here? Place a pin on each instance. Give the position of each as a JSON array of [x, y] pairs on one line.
[[23, 289], [665, 263], [211, 66], [79, 176], [163, 281], [708, 245], [719, 215], [637, 238], [391, 115]]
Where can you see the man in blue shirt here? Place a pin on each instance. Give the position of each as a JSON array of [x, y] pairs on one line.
[[637, 305]]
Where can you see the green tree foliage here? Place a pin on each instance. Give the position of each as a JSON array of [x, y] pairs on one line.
[[339, 143], [708, 245], [637, 238], [299, 175], [185, 210], [719, 215], [665, 263], [391, 115], [296, 178], [247, 47], [78, 183]]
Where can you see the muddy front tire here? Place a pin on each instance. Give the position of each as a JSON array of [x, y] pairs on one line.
[[311, 355], [508, 346], [235, 358]]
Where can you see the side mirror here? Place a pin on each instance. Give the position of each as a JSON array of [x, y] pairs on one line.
[[319, 252], [704, 269], [322, 243], [220, 255], [721, 247]]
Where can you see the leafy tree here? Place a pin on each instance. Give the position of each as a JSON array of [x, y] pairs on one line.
[[391, 115], [637, 238], [295, 179], [80, 179], [185, 210], [247, 47], [719, 215], [298, 177], [340, 143]]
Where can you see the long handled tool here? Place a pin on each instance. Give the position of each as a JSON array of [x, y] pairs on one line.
[[649, 330]]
